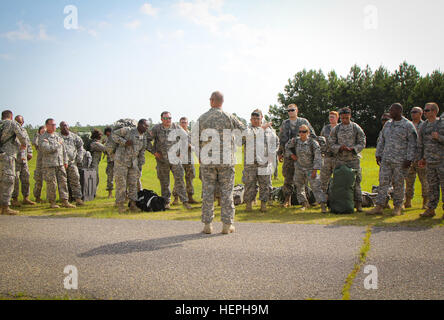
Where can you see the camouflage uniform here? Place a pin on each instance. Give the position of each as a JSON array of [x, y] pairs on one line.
[[397, 143], [22, 170], [54, 157], [74, 151], [259, 168], [9, 149], [309, 159], [352, 136], [161, 145], [109, 169], [432, 151], [127, 162], [217, 173], [96, 152], [329, 161], [289, 130], [38, 173], [411, 176], [190, 171]]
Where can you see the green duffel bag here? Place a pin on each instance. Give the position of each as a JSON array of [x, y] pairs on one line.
[[341, 191]]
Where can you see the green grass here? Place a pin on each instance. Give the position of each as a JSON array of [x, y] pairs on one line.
[[102, 207]]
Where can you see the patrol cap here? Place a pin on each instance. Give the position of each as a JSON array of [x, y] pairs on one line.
[[256, 113], [345, 110]]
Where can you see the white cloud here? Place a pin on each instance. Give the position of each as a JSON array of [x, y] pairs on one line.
[[23, 33], [204, 13], [149, 10], [133, 25]]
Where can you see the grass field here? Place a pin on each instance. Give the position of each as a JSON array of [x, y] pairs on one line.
[[102, 207]]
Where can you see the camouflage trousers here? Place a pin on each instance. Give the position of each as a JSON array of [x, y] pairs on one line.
[[190, 174], [21, 177], [74, 181], [56, 177], [126, 179], [354, 164], [109, 175], [251, 178], [7, 178], [301, 178], [288, 173], [216, 192], [95, 166], [410, 181], [435, 180], [391, 174], [163, 173], [223, 177], [326, 172], [38, 178]]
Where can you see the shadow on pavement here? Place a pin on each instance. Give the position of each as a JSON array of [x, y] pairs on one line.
[[144, 245]]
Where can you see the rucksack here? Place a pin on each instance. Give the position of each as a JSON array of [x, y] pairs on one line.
[[111, 145], [341, 190], [86, 138], [149, 201], [277, 194]]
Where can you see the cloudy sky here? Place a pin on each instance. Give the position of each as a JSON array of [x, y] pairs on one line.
[[137, 58]]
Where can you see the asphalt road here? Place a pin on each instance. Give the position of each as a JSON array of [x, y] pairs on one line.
[[133, 259]]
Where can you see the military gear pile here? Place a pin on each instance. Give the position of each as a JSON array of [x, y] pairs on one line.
[[149, 201]]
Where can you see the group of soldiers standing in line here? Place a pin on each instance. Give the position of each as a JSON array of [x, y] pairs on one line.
[[404, 149]]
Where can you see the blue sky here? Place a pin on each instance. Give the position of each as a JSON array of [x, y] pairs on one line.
[[138, 58]]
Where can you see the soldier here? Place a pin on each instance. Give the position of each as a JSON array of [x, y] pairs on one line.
[[346, 141], [414, 170], [306, 153], [54, 165], [384, 118], [161, 145], [22, 170], [109, 165], [258, 167], [129, 155], [190, 171], [395, 153], [38, 174], [328, 158], [289, 130], [431, 155], [214, 170], [97, 148], [11, 131], [74, 150]]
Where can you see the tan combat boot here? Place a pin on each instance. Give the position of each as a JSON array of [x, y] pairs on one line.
[[66, 204], [208, 228], [27, 201], [228, 228], [378, 210], [263, 206], [249, 206], [167, 206], [397, 211], [305, 206], [323, 207], [121, 208], [8, 211], [187, 206], [176, 201], [53, 205], [425, 200], [79, 202], [429, 213], [38, 200], [408, 203], [110, 194], [191, 200], [15, 202], [287, 203], [358, 206], [133, 207]]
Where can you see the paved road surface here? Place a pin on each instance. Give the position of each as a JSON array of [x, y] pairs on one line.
[[132, 259]]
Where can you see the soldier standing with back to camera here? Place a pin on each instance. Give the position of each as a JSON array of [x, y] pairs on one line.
[[289, 130], [12, 139], [22, 170], [346, 141]]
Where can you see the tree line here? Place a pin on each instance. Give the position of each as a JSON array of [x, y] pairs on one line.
[[368, 93]]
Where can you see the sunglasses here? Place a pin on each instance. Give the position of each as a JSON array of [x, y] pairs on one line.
[[165, 118], [305, 131], [427, 110], [415, 111], [291, 110]]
